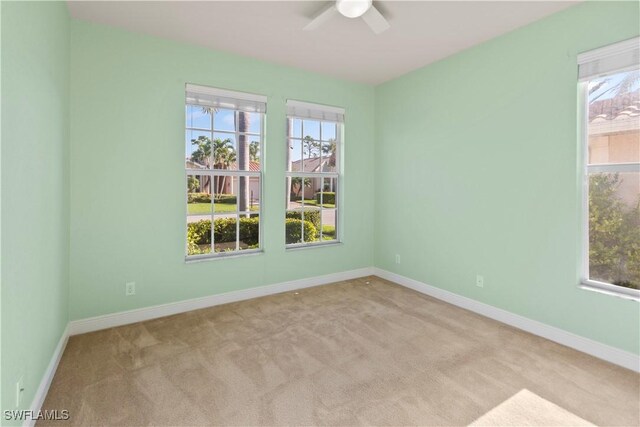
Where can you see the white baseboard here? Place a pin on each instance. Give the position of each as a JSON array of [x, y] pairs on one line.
[[138, 315], [585, 345], [47, 377]]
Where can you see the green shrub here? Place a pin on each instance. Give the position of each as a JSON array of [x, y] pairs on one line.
[[327, 197], [250, 231], [198, 198], [310, 214], [199, 233], [293, 231], [192, 184], [224, 230], [229, 199]]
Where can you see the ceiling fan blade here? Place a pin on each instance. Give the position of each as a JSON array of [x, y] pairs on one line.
[[375, 20], [322, 16]]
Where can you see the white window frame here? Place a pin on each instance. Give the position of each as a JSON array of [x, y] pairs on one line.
[[237, 101], [327, 114], [616, 58]]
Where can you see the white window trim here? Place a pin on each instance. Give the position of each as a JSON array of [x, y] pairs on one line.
[[242, 96], [321, 113], [598, 54]]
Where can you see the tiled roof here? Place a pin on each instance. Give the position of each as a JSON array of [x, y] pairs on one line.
[[619, 107], [253, 166], [310, 165]]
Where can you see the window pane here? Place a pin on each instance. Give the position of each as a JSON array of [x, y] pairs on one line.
[[198, 149], [226, 194], [247, 192], [311, 154], [328, 131], [199, 237], [249, 231], [198, 117], [254, 153], [614, 228], [253, 198], [327, 197], [614, 118], [224, 151], [224, 120], [198, 197], [302, 225], [311, 128], [225, 233], [329, 224], [296, 128], [295, 156], [253, 123], [300, 189], [293, 227], [329, 159], [244, 153]]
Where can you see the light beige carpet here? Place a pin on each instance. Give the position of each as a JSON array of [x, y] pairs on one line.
[[528, 409], [362, 352]]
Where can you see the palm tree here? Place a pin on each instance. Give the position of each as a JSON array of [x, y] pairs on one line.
[[254, 151], [310, 147], [300, 183], [628, 82], [202, 156], [223, 156], [330, 151]]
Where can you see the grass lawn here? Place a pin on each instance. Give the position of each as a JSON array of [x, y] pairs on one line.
[[328, 232], [312, 202], [205, 208]]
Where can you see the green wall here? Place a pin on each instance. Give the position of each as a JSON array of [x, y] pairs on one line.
[[127, 171], [35, 190], [473, 160], [477, 173]]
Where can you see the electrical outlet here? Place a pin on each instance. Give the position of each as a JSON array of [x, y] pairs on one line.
[[130, 288], [19, 391], [480, 281], [397, 259]]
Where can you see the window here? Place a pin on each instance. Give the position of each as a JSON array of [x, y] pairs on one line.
[[314, 134], [610, 83], [224, 142]]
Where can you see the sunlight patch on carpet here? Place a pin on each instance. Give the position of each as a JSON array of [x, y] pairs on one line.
[[528, 409]]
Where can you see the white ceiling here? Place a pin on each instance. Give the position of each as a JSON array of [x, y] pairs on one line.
[[421, 31]]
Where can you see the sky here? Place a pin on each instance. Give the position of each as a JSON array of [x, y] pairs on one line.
[[224, 121]]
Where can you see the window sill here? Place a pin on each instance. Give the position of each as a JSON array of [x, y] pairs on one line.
[[608, 289], [312, 246], [203, 258]]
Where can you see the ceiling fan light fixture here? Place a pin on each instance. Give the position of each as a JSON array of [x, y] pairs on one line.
[[353, 8]]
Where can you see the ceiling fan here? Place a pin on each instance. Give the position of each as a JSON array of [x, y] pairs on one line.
[[352, 9]]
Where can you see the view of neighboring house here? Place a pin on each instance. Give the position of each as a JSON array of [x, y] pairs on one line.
[[614, 137], [228, 185], [314, 164]]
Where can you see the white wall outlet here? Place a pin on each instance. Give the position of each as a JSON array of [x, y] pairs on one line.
[[480, 281], [397, 259], [130, 288], [19, 391]]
